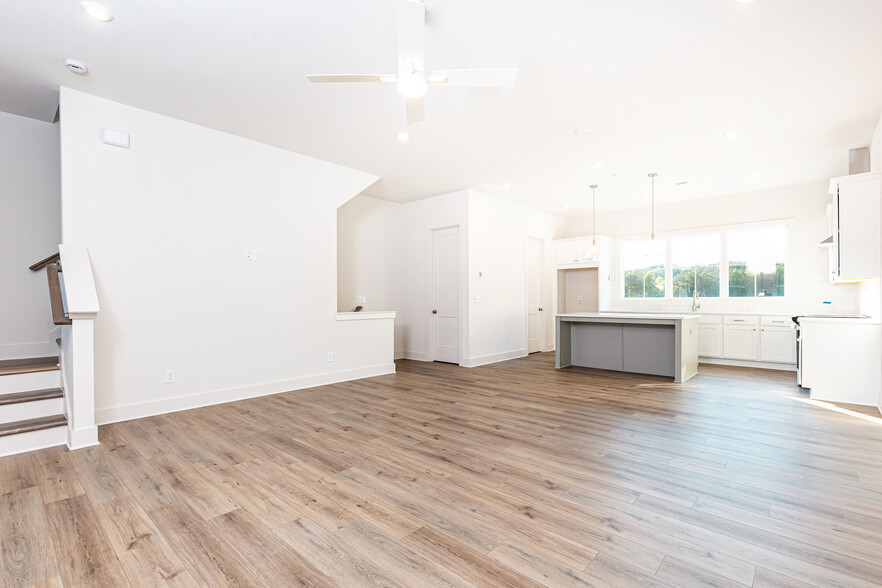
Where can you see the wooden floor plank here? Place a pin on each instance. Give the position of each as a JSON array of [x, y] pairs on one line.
[[27, 554]]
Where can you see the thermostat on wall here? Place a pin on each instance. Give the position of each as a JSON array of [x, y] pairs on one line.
[[115, 138]]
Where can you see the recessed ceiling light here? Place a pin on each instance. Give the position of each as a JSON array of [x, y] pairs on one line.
[[76, 66], [506, 186], [564, 207], [598, 165], [729, 135], [403, 136], [96, 11], [582, 131]]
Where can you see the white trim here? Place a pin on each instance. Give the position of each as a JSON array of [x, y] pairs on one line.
[[365, 316], [763, 365], [32, 440], [81, 438], [138, 410], [415, 355], [493, 358]]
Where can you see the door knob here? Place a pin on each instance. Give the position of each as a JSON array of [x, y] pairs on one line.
[[434, 312]]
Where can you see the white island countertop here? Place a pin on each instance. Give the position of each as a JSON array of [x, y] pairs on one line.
[[629, 315]]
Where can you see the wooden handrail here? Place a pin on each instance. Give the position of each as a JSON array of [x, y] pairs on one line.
[[55, 298], [43, 263]]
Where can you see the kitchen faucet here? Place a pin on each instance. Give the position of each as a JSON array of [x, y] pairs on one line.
[[695, 303]]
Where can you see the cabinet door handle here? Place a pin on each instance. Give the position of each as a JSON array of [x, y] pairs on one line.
[[540, 310], [434, 312], [737, 320]]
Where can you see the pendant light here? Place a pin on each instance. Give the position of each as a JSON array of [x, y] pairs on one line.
[[652, 209], [594, 251]]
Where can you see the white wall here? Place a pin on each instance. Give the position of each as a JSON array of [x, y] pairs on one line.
[[369, 258], [498, 232], [493, 236], [30, 229], [876, 148], [807, 264], [167, 223]]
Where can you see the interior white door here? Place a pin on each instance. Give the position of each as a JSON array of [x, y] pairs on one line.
[[535, 322], [445, 294]]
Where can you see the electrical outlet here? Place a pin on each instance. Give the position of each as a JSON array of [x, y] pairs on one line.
[[330, 356], [169, 376], [256, 254], [579, 300], [249, 255], [360, 300], [498, 341]]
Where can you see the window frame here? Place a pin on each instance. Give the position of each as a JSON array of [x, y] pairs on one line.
[[722, 231]]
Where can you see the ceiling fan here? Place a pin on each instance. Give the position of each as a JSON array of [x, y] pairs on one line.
[[412, 78]]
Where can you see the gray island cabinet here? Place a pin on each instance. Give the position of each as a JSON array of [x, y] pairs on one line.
[[659, 344]]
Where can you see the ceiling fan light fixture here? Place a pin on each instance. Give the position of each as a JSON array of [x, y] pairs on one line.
[[413, 85]]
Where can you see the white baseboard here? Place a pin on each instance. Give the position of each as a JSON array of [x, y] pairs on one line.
[[115, 414], [549, 347], [398, 354], [26, 350], [415, 355], [763, 365], [493, 358]]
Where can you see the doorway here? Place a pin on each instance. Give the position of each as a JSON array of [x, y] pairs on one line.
[[444, 324], [536, 326]]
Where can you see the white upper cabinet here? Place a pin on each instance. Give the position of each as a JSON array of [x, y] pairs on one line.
[[855, 216], [582, 251]]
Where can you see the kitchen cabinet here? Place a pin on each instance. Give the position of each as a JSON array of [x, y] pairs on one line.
[[840, 359], [778, 344], [710, 340], [740, 341], [855, 215], [580, 250]]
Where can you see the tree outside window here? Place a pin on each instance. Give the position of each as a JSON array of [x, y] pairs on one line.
[[644, 269], [756, 262], [695, 265]]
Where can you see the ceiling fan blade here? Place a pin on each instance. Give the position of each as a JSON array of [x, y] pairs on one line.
[[416, 110], [322, 78], [495, 77], [411, 18]]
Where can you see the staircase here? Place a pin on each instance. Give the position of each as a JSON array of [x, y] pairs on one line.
[[31, 405]]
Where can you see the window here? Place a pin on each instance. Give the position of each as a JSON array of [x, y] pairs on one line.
[[744, 262], [695, 265], [756, 262], [644, 269]]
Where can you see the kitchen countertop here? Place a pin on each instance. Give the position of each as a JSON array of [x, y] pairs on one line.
[[629, 315]]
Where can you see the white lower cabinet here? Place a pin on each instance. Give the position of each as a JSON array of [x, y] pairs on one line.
[[710, 340], [740, 342], [778, 344], [747, 338]]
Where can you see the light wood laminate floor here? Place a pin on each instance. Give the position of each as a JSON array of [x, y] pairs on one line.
[[512, 474]]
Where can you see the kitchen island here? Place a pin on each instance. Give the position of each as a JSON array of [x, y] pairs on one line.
[[659, 344]]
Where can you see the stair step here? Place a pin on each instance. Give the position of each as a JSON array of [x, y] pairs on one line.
[[28, 425], [31, 396], [9, 367]]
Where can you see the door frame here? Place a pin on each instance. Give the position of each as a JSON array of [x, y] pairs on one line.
[[543, 293], [463, 291]]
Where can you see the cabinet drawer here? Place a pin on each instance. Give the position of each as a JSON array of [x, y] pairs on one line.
[[777, 321], [710, 319], [731, 319]]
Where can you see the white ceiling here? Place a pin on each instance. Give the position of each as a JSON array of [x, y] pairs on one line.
[[658, 83]]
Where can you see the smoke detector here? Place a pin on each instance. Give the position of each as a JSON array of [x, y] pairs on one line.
[[76, 66]]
